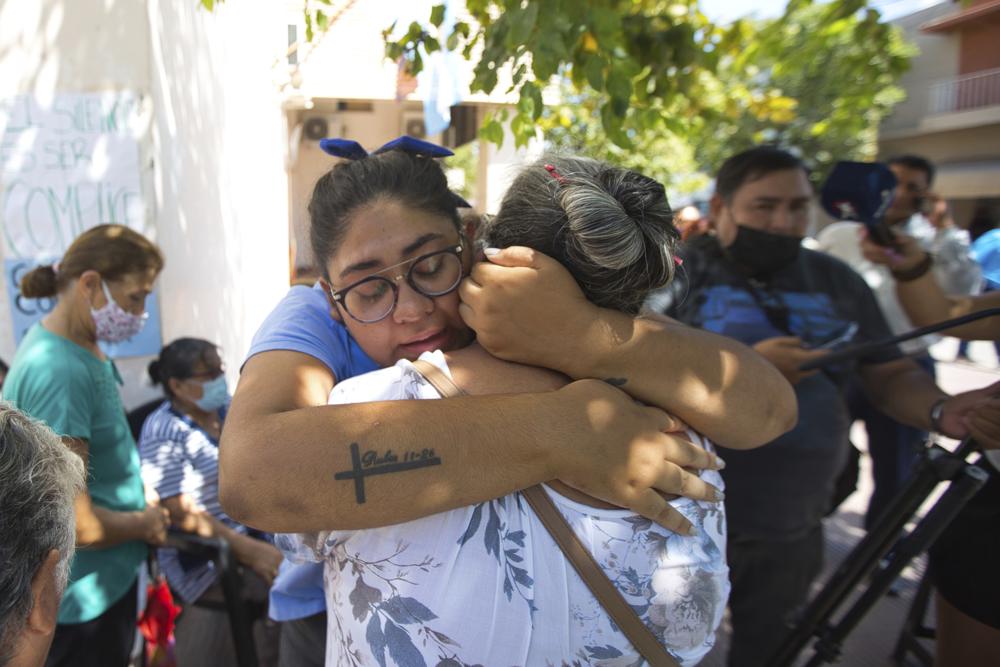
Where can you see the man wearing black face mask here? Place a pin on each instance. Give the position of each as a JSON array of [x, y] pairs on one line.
[[754, 282]]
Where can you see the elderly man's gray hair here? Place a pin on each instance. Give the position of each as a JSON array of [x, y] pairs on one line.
[[39, 480]]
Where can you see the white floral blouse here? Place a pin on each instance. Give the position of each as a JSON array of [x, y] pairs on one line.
[[486, 585]]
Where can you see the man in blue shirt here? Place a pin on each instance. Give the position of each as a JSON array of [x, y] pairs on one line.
[[754, 282]]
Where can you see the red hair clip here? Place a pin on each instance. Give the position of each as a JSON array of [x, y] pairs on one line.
[[555, 174]]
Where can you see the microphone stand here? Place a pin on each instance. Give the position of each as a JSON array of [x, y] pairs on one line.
[[855, 351], [868, 558]]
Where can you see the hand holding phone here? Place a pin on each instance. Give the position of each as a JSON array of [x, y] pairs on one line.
[[935, 209], [843, 338], [880, 233]]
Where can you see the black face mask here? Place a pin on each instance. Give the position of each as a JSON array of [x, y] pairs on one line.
[[761, 253]]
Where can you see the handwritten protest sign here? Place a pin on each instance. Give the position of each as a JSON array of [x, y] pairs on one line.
[[66, 166]]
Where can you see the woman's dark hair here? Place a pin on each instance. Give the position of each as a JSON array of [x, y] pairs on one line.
[[413, 180], [114, 251], [178, 359], [612, 228]]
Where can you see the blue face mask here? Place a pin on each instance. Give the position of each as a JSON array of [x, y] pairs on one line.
[[215, 393]]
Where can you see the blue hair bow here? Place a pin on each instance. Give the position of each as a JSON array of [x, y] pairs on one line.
[[352, 150]]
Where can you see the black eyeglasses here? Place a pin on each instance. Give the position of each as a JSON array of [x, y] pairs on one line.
[[373, 298]]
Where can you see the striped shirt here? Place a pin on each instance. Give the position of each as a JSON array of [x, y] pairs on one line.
[[178, 457]]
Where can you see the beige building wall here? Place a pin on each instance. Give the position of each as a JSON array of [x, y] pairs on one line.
[[76, 46], [964, 144], [221, 190], [937, 59], [347, 67], [371, 128], [225, 178], [80, 46], [214, 179]]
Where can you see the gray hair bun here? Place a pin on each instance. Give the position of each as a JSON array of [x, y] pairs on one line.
[[611, 227]]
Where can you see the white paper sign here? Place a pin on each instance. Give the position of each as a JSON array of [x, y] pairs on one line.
[[66, 167]]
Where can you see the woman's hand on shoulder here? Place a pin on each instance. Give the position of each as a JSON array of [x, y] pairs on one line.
[[905, 255], [526, 307], [629, 455]]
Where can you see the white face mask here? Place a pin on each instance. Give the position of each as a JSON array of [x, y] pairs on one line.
[[114, 323]]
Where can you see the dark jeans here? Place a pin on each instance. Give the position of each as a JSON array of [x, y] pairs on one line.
[[771, 581], [893, 447], [303, 642], [105, 641]]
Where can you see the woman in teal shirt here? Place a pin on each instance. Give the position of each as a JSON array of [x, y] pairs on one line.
[[61, 376]]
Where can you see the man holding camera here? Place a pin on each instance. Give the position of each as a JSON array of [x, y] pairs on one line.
[[754, 282], [916, 212]]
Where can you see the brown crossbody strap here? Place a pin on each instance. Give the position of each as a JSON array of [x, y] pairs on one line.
[[642, 639], [438, 379]]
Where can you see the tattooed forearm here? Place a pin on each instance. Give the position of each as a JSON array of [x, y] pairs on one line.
[[616, 382], [372, 463]]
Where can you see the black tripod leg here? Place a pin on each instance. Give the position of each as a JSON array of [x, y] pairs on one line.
[[944, 511], [913, 627], [935, 466], [240, 623]]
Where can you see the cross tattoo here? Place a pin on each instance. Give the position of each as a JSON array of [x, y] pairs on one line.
[[358, 472]]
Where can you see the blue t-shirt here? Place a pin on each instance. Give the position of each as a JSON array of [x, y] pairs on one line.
[[301, 322]]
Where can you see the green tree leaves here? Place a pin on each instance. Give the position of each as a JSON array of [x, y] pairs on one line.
[[820, 79], [603, 46], [655, 82], [656, 85]]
